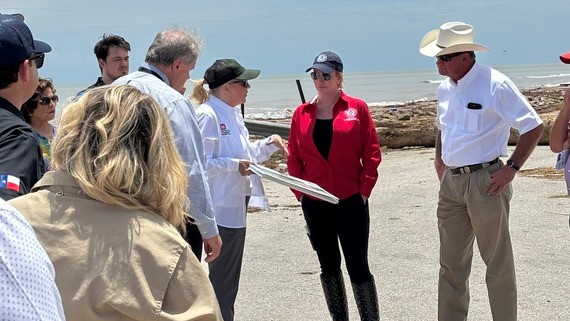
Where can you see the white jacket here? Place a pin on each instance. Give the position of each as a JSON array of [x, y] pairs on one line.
[[226, 142]]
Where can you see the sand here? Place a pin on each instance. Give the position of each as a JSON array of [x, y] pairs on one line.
[[280, 278]]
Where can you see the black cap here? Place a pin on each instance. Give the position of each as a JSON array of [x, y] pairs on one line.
[[16, 41], [224, 70], [327, 62]]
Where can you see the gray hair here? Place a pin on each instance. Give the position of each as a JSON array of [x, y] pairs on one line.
[[174, 43]]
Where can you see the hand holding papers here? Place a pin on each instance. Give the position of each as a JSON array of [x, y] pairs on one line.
[[295, 183]]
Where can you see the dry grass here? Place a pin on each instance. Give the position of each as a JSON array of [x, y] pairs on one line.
[[543, 172]]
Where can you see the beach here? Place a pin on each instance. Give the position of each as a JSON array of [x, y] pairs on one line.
[[280, 278]]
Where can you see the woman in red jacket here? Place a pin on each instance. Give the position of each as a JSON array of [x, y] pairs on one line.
[[333, 143]]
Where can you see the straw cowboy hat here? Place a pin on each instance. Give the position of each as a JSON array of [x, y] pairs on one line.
[[451, 37]]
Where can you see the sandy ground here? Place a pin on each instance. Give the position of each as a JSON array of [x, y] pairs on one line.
[[280, 275]]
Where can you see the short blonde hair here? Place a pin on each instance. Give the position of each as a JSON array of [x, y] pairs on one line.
[[118, 144]]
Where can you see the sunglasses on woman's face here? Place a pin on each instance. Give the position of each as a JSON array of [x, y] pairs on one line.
[[47, 100], [243, 82], [323, 76]]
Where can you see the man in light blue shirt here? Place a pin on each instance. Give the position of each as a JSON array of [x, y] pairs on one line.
[[166, 69]]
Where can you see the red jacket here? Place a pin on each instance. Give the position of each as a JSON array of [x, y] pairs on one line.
[[354, 154]]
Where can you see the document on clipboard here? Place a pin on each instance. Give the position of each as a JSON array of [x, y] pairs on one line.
[[295, 183]]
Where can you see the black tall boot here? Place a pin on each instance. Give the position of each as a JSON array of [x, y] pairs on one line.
[[335, 295], [366, 300]]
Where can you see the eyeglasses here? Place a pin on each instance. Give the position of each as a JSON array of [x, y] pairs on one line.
[[323, 76], [242, 82], [39, 60], [47, 100], [450, 56]]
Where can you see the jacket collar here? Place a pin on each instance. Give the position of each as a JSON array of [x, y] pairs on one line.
[[5, 104], [60, 182]]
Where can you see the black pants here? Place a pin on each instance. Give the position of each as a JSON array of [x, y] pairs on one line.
[[194, 238], [347, 222]]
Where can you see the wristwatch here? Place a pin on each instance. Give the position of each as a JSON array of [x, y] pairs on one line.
[[511, 163]]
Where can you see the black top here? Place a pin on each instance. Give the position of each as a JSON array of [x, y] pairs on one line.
[[20, 153], [98, 83], [322, 136]]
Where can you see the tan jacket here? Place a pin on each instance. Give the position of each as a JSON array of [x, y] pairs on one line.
[[112, 263]]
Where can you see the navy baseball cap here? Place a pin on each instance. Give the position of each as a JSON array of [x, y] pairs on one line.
[[16, 41], [224, 70], [327, 62]]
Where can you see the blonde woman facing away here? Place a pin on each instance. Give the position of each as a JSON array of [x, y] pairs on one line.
[[108, 214]]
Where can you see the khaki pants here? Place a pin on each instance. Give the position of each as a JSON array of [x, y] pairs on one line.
[[464, 213]]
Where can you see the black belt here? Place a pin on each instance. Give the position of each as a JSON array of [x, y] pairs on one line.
[[472, 168]]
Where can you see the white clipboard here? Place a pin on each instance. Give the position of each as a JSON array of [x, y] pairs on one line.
[[295, 183]]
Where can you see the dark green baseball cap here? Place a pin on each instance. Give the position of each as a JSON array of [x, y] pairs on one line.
[[224, 70]]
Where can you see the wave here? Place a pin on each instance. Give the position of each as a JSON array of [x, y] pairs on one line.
[[544, 77], [439, 81], [396, 103]]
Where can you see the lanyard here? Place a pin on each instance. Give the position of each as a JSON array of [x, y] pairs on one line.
[[152, 72]]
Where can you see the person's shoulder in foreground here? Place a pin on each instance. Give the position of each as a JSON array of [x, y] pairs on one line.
[[27, 278]]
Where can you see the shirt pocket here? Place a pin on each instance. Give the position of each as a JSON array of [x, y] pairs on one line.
[[473, 121]]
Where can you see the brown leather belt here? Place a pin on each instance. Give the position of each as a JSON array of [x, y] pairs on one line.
[[472, 168]]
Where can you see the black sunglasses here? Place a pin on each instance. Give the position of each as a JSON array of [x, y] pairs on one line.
[[450, 56], [47, 100], [242, 81], [39, 60], [323, 76]]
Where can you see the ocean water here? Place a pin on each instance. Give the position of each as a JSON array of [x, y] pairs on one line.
[[274, 97]]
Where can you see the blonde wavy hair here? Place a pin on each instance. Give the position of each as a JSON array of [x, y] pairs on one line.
[[118, 144]]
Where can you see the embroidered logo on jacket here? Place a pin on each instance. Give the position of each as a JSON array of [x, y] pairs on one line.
[[350, 114], [224, 130]]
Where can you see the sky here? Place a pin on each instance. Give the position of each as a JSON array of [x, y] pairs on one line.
[[282, 37]]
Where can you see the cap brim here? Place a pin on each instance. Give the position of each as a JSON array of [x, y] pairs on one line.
[[41, 47], [429, 47], [249, 74], [565, 58], [322, 67]]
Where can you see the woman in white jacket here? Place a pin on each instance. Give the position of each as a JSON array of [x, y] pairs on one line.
[[228, 155]]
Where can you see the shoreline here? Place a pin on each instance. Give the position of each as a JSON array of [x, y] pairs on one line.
[[412, 124]]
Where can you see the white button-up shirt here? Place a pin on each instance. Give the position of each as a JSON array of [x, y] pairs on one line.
[[27, 277], [476, 114], [226, 142]]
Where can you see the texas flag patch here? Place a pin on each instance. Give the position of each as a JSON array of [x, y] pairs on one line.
[[10, 182]]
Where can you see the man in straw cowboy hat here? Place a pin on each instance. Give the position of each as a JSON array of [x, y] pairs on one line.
[[477, 106]]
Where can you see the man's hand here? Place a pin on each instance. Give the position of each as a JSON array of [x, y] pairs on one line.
[[500, 179], [212, 247]]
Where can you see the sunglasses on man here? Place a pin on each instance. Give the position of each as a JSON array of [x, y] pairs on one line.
[[323, 76], [47, 100], [39, 58], [448, 57]]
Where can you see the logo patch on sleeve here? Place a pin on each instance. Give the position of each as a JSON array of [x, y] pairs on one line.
[[10, 182]]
